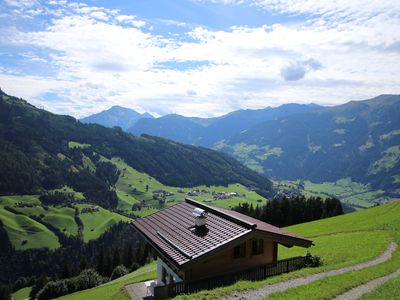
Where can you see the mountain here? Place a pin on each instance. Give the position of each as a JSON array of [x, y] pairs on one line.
[[360, 140], [41, 151], [208, 131], [117, 116]]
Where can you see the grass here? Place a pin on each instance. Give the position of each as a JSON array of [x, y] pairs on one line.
[[72, 145], [390, 290], [331, 287], [340, 241], [22, 294], [115, 289], [25, 233], [96, 223], [61, 217], [390, 157], [348, 191], [131, 189], [251, 155]]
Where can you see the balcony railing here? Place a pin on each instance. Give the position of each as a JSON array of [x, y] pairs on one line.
[[258, 273]]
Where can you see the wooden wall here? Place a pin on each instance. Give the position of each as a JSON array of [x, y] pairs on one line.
[[224, 262]]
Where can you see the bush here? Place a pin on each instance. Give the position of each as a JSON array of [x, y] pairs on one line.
[[312, 261], [86, 279], [135, 266], [118, 271]]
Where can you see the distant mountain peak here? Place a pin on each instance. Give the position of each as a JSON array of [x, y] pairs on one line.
[[116, 116]]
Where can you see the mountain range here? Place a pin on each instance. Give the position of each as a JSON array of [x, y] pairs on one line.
[[41, 151], [117, 116], [359, 139]]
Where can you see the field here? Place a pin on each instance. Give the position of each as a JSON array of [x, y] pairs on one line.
[[114, 290], [349, 192], [23, 231], [139, 195], [340, 241], [138, 188], [95, 223], [22, 294]]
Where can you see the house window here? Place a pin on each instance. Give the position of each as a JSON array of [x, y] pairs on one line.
[[257, 246], [239, 251]]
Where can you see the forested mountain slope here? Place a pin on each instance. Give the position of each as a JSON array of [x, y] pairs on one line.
[[41, 151], [360, 139]]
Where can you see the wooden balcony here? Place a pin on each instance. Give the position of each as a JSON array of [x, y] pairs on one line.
[[253, 274]]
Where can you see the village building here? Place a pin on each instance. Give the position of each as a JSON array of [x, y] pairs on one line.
[[194, 241]]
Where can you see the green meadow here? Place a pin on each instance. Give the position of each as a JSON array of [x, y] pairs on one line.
[[114, 290], [132, 188], [348, 191], [340, 241], [96, 223]]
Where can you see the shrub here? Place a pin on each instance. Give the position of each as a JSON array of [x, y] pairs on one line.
[[312, 261], [86, 279], [118, 271], [135, 266]]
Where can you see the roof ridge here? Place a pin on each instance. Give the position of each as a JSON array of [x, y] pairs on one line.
[[222, 213]]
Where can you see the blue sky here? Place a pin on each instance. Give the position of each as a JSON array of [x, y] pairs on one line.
[[197, 57]]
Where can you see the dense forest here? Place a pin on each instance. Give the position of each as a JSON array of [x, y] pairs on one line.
[[290, 211], [117, 251]]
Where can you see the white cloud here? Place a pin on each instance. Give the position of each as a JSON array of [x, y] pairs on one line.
[[345, 54]]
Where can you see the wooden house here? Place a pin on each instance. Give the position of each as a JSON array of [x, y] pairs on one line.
[[194, 241]]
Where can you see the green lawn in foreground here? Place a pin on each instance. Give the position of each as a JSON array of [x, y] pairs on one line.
[[114, 290], [343, 240], [388, 291], [22, 294], [96, 223]]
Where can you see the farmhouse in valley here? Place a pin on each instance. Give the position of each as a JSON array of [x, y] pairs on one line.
[[195, 242]]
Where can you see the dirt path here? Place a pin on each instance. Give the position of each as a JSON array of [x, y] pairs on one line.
[[267, 290], [360, 290]]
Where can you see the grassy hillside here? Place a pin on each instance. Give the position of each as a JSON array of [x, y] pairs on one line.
[[114, 290], [359, 139], [41, 151], [25, 233], [352, 193], [132, 188], [97, 222], [340, 241]]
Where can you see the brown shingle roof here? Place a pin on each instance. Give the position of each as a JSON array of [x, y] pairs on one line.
[[172, 232]]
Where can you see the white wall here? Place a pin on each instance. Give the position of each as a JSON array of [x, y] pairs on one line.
[[160, 265]]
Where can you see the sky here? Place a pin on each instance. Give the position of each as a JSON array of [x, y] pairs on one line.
[[197, 57]]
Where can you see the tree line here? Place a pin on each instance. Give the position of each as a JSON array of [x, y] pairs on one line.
[[290, 211]]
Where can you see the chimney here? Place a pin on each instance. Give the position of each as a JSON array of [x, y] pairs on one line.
[[200, 216]]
